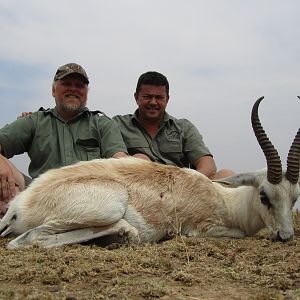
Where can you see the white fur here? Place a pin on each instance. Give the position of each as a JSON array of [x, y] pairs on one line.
[[148, 201]]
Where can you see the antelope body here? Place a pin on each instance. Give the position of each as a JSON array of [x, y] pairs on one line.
[[148, 201]]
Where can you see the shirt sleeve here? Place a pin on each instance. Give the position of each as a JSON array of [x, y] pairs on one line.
[[193, 144], [111, 138], [16, 137]]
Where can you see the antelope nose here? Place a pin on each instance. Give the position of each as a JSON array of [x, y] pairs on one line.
[[284, 238]]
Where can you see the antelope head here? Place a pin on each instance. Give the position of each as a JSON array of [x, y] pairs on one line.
[[278, 190]]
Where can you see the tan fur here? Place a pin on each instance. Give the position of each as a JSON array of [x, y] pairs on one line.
[[155, 199], [160, 193]]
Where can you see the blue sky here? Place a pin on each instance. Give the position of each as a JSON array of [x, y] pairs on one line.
[[219, 57]]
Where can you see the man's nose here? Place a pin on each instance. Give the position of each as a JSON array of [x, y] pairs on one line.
[[153, 99]]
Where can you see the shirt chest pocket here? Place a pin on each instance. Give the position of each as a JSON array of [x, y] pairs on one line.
[[135, 146], [44, 141], [174, 152], [136, 143], [171, 147], [89, 148]]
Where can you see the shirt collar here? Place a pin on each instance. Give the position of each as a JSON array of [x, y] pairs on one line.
[[54, 112]]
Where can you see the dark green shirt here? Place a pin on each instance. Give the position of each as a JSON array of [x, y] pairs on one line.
[[52, 143], [178, 142]]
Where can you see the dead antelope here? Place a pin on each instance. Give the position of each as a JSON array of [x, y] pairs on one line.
[[149, 201]]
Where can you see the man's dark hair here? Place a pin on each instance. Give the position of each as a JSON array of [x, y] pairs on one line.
[[153, 78]]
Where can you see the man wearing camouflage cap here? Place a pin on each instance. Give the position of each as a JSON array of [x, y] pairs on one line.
[[60, 136]]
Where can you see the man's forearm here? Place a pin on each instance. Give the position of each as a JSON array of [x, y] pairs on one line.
[[206, 165]]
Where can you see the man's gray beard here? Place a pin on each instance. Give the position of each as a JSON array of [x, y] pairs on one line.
[[72, 107]]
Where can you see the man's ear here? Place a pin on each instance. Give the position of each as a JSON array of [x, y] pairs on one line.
[[53, 90], [136, 96]]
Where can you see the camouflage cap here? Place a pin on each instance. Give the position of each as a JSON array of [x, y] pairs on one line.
[[68, 69]]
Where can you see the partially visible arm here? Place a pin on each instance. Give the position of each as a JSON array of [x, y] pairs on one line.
[[112, 144], [206, 165], [196, 151], [11, 179], [14, 138]]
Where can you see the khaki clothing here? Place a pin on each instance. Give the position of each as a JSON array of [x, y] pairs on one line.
[[52, 143], [178, 142]]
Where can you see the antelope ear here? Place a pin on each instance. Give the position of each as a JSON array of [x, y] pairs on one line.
[[240, 179]]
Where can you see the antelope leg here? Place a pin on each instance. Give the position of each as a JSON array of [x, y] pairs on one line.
[[43, 236]]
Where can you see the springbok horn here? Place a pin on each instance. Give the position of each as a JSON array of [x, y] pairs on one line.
[[274, 173], [292, 171]]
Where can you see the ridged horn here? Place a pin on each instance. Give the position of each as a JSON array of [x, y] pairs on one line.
[[274, 172], [292, 171]]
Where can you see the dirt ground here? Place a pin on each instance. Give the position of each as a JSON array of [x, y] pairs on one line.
[[182, 268]]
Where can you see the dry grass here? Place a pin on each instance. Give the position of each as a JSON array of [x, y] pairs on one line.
[[253, 268]]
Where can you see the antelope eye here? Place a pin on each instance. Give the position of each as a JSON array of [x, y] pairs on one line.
[[264, 199]]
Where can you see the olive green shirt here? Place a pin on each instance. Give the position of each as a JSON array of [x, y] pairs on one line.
[[178, 142], [52, 143]]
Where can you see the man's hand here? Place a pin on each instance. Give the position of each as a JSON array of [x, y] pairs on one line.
[[11, 182], [142, 156], [119, 155], [7, 181], [24, 114]]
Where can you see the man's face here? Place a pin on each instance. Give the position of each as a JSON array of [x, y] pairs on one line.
[[152, 102], [70, 94]]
